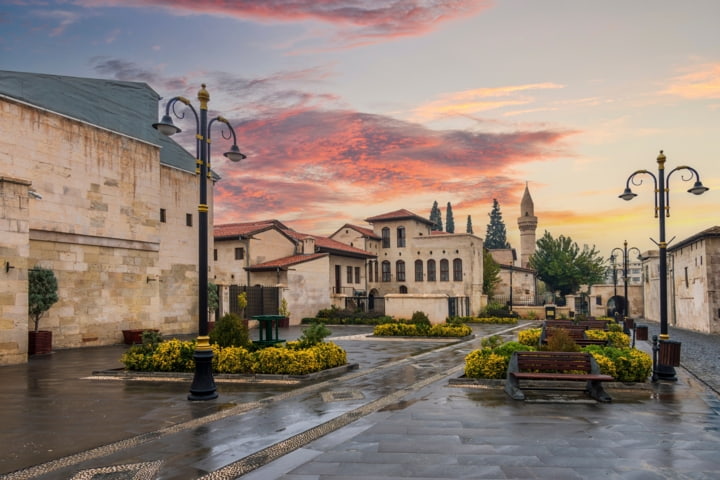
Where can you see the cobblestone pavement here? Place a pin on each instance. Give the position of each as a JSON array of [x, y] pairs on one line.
[[699, 353], [396, 416]]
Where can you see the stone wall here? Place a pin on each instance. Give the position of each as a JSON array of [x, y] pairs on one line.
[[14, 231]]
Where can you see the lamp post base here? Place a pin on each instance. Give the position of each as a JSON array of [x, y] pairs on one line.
[[203, 385], [664, 372]]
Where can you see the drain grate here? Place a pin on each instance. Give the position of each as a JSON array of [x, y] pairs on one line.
[[341, 395]]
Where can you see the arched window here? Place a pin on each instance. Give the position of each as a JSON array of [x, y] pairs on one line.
[[444, 270], [457, 270], [400, 237], [431, 271], [400, 271], [418, 270], [385, 271], [385, 237], [403, 289]]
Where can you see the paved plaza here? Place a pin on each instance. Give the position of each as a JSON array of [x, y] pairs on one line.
[[400, 414]]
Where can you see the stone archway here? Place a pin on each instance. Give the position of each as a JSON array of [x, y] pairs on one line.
[[616, 304]]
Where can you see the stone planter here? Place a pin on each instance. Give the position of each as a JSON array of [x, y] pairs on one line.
[[40, 342], [134, 336]]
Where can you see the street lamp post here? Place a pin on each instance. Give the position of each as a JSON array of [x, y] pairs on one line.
[[662, 210], [203, 385], [624, 251]]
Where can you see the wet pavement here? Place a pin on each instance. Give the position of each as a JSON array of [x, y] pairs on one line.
[[395, 416]]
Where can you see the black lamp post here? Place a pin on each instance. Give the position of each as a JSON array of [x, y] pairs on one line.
[[624, 251], [203, 386], [662, 210]]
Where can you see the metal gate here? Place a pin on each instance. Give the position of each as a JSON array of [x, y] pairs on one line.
[[260, 300]]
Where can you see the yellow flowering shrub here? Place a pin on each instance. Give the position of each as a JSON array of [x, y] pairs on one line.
[[411, 330], [607, 366], [442, 330], [232, 360], [530, 337], [173, 356], [614, 339]]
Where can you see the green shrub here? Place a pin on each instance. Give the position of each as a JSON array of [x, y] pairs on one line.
[[631, 364], [174, 356], [490, 320], [230, 331], [489, 362], [560, 341], [313, 335]]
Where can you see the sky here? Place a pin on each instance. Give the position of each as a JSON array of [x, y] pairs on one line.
[[353, 108]]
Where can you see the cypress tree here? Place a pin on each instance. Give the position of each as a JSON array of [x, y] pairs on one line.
[[436, 217], [469, 229], [495, 236], [449, 219]]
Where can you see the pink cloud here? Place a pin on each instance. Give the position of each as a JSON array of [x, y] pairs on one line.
[[702, 81], [360, 21]]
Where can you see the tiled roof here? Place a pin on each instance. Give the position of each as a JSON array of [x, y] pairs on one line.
[[232, 230], [364, 231], [330, 245], [401, 214], [129, 108], [281, 263]]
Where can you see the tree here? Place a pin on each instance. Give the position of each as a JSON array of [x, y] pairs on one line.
[[449, 219], [491, 273], [42, 293], [468, 228], [436, 218], [495, 236], [563, 266], [213, 297]]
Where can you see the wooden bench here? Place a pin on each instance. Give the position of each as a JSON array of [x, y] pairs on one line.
[[542, 367], [576, 332]]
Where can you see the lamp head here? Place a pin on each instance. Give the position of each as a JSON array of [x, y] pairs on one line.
[[627, 194], [698, 188], [166, 126], [234, 154]]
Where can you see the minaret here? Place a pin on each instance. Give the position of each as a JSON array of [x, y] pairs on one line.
[[527, 222]]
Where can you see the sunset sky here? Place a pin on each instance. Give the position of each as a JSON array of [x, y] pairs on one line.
[[349, 109]]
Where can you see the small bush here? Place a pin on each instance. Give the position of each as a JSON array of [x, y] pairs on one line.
[[490, 320], [560, 341], [230, 331], [313, 335], [492, 362], [631, 364]]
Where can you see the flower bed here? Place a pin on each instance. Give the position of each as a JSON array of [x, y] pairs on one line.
[[177, 356], [413, 330]]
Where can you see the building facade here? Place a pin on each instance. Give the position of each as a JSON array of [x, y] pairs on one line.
[[91, 191]]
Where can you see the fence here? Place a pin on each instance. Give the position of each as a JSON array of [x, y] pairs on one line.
[[260, 300]]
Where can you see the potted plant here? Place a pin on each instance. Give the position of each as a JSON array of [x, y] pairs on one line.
[[42, 294], [285, 313]]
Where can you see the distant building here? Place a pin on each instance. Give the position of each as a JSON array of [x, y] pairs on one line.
[[693, 271]]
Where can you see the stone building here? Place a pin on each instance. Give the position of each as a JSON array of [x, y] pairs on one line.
[[693, 286], [312, 272], [91, 191], [415, 264]]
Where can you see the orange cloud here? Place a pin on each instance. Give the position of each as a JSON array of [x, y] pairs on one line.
[[478, 100], [703, 82]]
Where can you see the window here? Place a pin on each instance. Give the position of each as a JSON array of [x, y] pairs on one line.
[[400, 270], [431, 271], [163, 215], [687, 284], [418, 270], [444, 270], [349, 275], [457, 270], [239, 253], [403, 289], [386, 237], [357, 274], [385, 271], [215, 254], [188, 219], [401, 237], [376, 271], [370, 271]]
